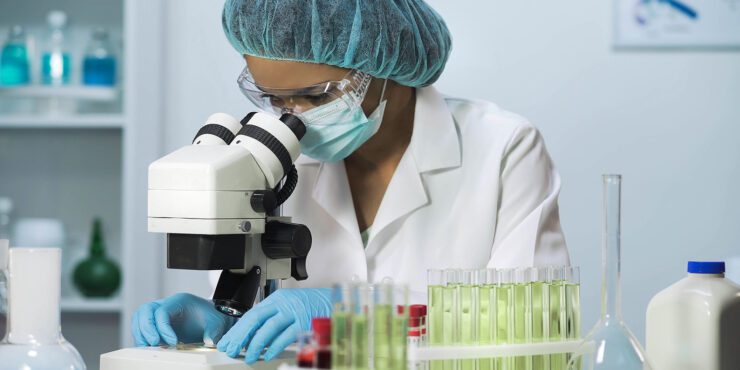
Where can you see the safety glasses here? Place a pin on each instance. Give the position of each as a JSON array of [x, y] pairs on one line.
[[350, 91]]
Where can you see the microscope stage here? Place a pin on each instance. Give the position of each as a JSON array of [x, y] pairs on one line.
[[184, 357]]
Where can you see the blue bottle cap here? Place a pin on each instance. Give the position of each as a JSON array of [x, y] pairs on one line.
[[697, 267]]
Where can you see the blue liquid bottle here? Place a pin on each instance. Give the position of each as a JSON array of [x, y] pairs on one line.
[[55, 61], [14, 59], [99, 65]]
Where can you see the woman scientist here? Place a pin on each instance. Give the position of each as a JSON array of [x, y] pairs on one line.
[[395, 178]]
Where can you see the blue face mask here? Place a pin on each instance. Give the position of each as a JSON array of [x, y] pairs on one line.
[[334, 131]]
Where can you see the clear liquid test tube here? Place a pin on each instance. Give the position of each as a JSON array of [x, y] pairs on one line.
[[340, 326]]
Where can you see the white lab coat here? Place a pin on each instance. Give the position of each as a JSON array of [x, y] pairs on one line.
[[475, 188]]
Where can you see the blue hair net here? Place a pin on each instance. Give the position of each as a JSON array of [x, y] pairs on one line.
[[402, 40]]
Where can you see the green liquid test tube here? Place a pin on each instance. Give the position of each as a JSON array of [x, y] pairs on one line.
[[361, 306], [389, 326], [486, 314], [557, 320], [522, 316], [399, 338], [435, 306], [466, 309], [572, 306], [540, 314], [504, 329], [340, 327], [382, 322], [449, 319]]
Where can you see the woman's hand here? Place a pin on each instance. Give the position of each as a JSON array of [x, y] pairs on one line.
[[276, 322], [181, 317]]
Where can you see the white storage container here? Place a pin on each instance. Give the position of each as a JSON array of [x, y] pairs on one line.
[[694, 323]]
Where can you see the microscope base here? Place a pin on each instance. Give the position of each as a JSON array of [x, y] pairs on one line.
[[184, 357]]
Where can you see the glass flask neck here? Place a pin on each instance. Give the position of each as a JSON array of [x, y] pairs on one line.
[[611, 295], [34, 287]]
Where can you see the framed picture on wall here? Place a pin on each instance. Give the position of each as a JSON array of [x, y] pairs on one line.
[[677, 23]]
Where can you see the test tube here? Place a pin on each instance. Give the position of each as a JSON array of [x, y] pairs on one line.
[[399, 328], [361, 300], [572, 280], [504, 326], [341, 326], [540, 313], [522, 315], [436, 283], [306, 356], [382, 325], [572, 304], [466, 312], [486, 313], [557, 322], [417, 332], [450, 318]]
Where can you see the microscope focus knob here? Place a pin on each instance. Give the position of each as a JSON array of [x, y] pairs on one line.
[[263, 201], [286, 240]]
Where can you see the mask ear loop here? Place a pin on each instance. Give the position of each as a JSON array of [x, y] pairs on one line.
[[382, 93]]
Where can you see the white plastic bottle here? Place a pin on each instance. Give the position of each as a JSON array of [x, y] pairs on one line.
[[683, 330]]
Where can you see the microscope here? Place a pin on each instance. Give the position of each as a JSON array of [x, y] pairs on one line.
[[218, 201]]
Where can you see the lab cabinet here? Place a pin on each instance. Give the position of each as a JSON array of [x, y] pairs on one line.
[[77, 151]]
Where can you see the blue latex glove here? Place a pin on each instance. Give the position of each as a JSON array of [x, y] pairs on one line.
[[276, 322], [181, 317]]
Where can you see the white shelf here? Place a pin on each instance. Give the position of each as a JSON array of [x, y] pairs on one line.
[[62, 121], [78, 92], [100, 305]]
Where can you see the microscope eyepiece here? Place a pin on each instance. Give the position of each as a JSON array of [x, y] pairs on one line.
[[273, 142], [219, 129], [295, 124]]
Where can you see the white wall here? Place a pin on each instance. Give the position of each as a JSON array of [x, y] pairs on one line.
[[668, 121], [200, 71]]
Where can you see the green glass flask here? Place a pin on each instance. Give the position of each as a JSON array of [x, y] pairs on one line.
[[97, 275]]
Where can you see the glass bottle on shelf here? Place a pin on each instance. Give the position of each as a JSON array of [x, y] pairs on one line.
[[55, 60], [14, 59], [34, 339], [99, 65], [97, 275], [611, 345]]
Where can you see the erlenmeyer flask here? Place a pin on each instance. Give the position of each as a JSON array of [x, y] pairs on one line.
[[611, 345]]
